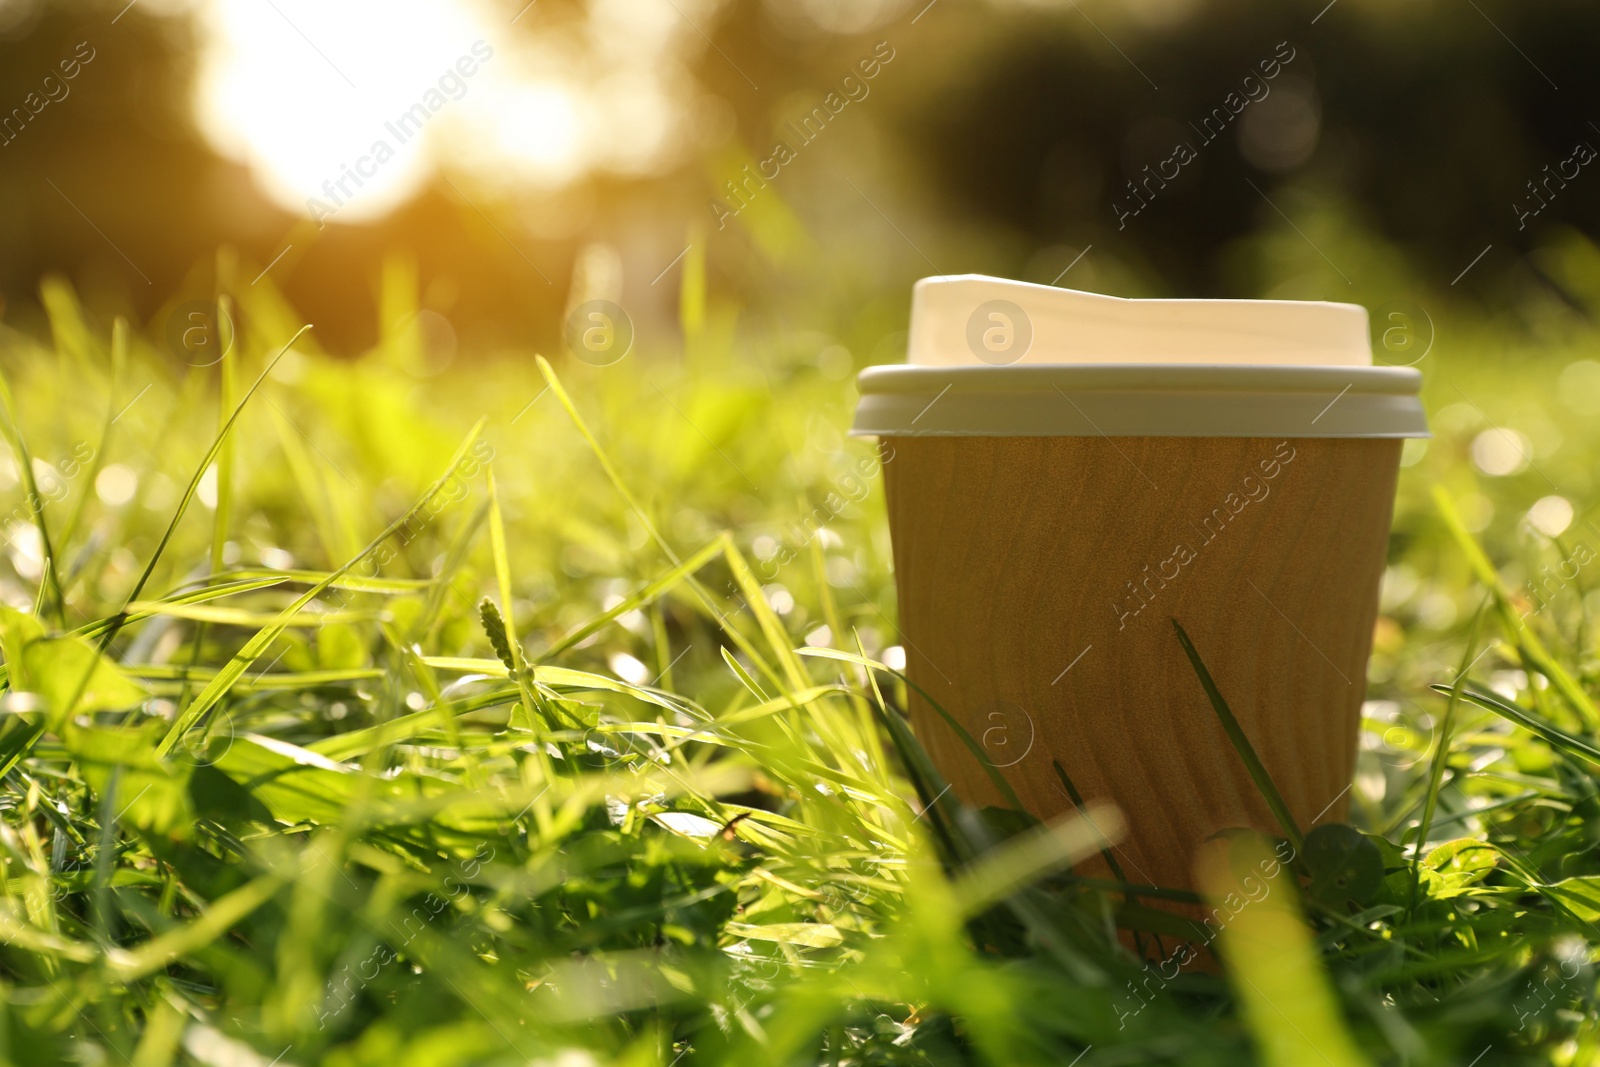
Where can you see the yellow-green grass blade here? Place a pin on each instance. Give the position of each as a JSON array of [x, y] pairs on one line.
[[308, 479], [1557, 737], [215, 592], [258, 644], [50, 589], [227, 386], [999, 780], [1033, 854], [707, 603], [1274, 967], [355, 583], [119, 358], [1442, 751], [128, 965], [1533, 651], [212, 613], [645, 595], [194, 484], [1241, 743], [531, 704]]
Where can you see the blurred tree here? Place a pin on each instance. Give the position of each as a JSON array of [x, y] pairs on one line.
[[1166, 132]]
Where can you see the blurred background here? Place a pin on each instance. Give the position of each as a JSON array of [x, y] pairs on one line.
[[814, 156]]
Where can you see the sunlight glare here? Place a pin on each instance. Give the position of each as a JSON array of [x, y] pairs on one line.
[[344, 111]]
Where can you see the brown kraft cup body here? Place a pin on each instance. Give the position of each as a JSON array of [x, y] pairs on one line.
[[1038, 578]]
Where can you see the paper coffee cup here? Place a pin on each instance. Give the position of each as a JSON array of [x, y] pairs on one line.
[[1066, 473]]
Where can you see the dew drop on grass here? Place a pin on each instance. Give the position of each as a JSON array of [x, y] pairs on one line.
[[27, 553], [778, 597], [841, 572], [206, 491], [116, 484], [1509, 684], [1551, 515], [629, 668], [688, 824], [634, 621], [45, 475], [1498, 452]]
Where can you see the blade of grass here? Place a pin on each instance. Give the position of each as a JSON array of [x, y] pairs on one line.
[[1572, 746], [309, 480], [710, 606], [47, 582], [662, 645], [1105, 852], [121, 617], [119, 358], [145, 609], [355, 583], [19, 448], [1033, 854], [218, 919], [222, 616], [197, 596], [1077, 802], [194, 484], [743, 675], [16, 744], [830, 617], [1442, 752], [531, 704], [1241, 743], [766, 619], [253, 648], [227, 386], [645, 595], [455, 558], [1534, 654], [1140, 889], [1002, 786], [1283, 990]]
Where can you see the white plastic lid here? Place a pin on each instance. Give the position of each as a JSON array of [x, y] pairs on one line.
[[965, 319], [991, 357]]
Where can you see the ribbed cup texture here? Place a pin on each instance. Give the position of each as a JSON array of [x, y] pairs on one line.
[[1038, 577]]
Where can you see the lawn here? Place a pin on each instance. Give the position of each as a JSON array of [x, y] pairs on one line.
[[377, 712]]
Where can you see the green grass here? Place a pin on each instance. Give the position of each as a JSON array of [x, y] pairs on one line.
[[489, 717]]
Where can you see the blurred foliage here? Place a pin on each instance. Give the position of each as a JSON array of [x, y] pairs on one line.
[[1397, 144]]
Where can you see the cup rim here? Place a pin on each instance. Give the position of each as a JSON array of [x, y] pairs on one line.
[[1140, 399]]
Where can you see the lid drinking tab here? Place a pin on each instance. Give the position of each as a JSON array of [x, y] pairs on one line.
[[971, 319]]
